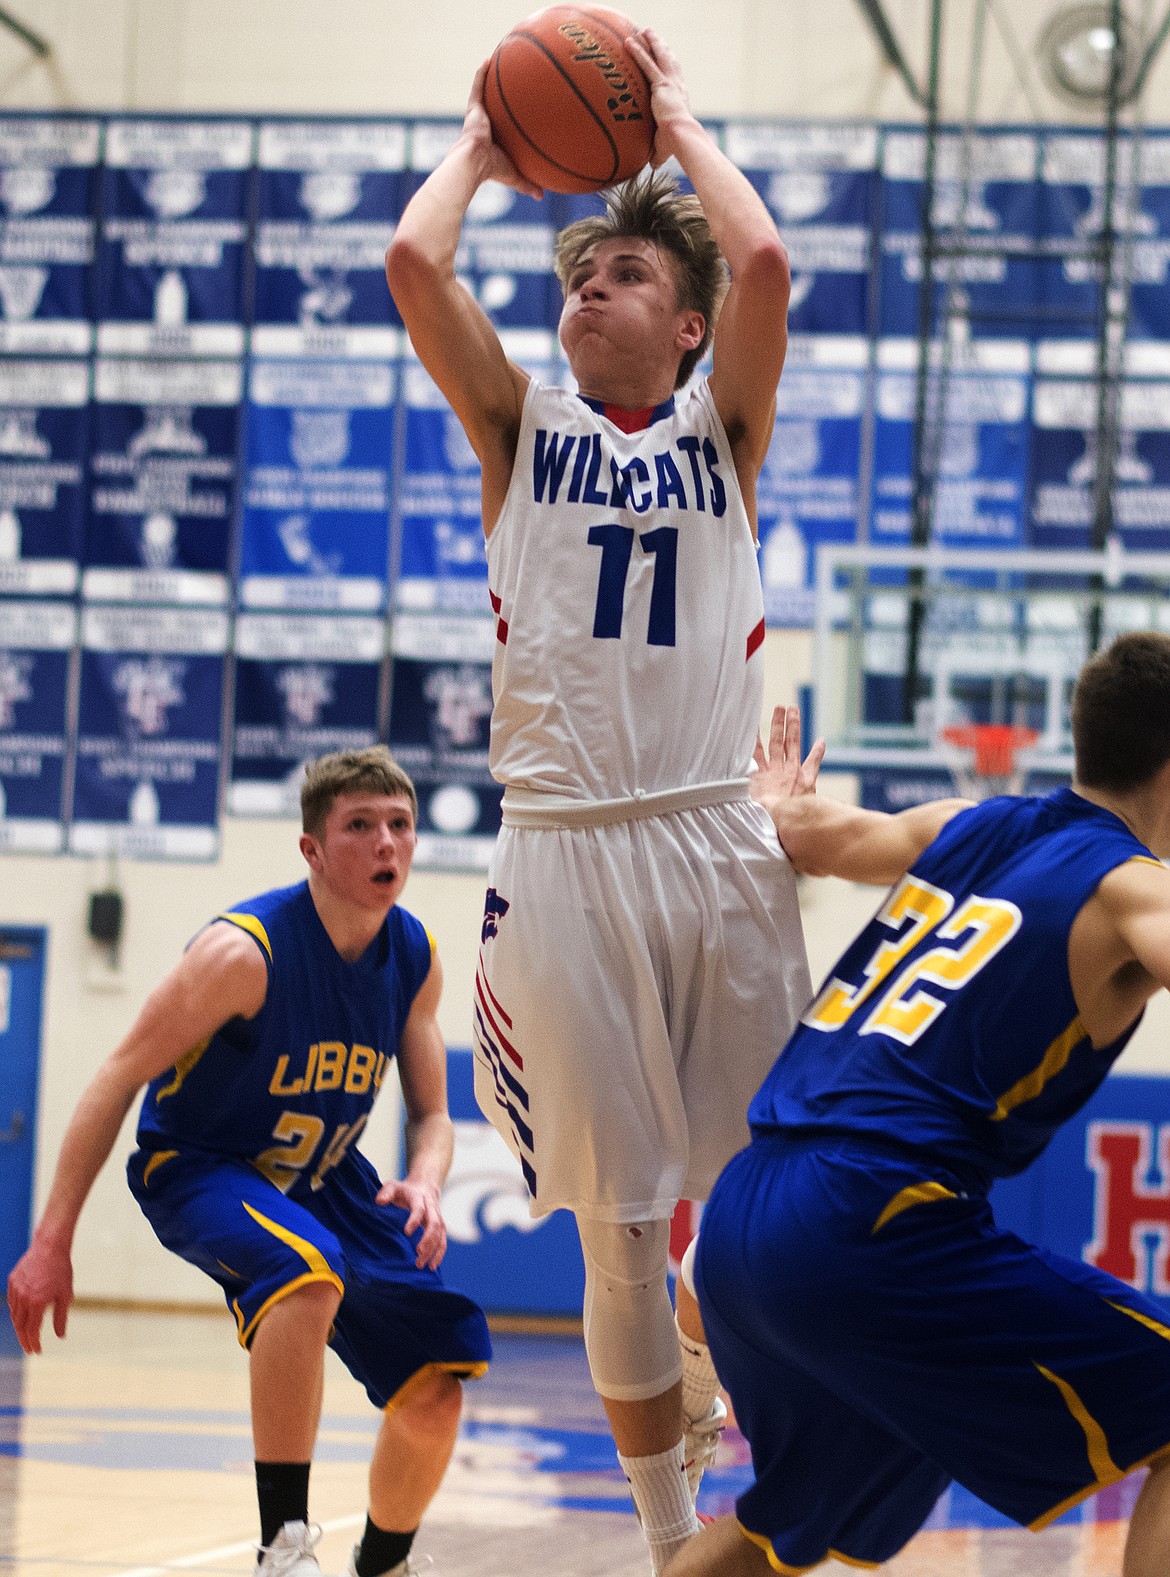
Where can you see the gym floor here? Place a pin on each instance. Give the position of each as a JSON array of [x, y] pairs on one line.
[[125, 1452]]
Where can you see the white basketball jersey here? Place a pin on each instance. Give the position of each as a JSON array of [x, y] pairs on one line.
[[630, 616]]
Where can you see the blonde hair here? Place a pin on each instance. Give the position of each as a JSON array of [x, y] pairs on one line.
[[652, 208], [372, 771]]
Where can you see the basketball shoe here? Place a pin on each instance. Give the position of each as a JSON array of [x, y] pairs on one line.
[[701, 1442], [291, 1552]]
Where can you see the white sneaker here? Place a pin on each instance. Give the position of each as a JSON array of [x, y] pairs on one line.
[[701, 1442], [407, 1568], [291, 1552]]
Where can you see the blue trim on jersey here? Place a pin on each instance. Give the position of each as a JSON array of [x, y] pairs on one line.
[[630, 421]]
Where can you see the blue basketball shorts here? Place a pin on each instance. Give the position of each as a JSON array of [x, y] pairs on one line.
[[394, 1319], [880, 1336]]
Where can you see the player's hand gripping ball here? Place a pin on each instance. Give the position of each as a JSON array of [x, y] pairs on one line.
[[568, 102]]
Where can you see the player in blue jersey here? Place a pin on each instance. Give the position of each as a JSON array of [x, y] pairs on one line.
[[262, 1053], [879, 1335]]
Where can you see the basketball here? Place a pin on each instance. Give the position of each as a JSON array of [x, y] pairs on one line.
[[568, 102]]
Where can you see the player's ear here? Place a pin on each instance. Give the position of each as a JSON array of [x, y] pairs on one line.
[[692, 327], [311, 849]]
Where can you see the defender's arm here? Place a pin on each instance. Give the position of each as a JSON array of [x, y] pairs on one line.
[[430, 1133], [221, 976]]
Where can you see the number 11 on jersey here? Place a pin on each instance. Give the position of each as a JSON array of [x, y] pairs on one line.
[[617, 545]]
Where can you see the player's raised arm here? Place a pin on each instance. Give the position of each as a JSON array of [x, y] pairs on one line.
[[221, 976], [430, 1134], [453, 336], [752, 335], [824, 837]]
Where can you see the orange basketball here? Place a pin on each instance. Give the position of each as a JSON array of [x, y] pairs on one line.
[[568, 103]]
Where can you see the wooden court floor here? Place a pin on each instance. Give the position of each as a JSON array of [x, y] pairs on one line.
[[125, 1452]]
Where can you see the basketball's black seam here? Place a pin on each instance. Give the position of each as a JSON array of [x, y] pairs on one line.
[[555, 63]]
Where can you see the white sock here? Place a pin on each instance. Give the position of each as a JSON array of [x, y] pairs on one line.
[[662, 1497], [700, 1383]]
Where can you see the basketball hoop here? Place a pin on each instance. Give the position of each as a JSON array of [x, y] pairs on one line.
[[991, 767]]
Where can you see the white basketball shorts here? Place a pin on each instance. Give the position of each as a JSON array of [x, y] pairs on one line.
[[636, 981]]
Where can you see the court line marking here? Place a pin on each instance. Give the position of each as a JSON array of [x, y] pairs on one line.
[[183, 1562]]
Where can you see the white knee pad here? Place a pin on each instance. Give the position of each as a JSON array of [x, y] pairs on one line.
[[686, 1268], [630, 1339]]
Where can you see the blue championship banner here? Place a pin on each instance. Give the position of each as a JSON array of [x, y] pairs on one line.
[[807, 492], [149, 733], [162, 481], [48, 195], [1145, 225], [44, 419], [316, 520], [983, 458], [505, 255], [440, 714], [329, 196], [994, 290], [171, 277], [36, 645], [442, 564], [442, 561], [820, 184], [304, 686], [1064, 465]]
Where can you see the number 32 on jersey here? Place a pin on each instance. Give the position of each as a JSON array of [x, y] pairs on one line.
[[917, 993]]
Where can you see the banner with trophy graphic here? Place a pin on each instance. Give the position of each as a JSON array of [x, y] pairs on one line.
[[820, 183], [1064, 465], [808, 490], [149, 733], [174, 223], [37, 640], [329, 197], [316, 492], [987, 200], [978, 394], [440, 715], [304, 686], [48, 198], [44, 422], [162, 481]]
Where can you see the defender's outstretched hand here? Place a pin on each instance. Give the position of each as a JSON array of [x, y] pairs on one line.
[[780, 774]]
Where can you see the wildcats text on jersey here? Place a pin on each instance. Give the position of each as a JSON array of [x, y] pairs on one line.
[[691, 481]]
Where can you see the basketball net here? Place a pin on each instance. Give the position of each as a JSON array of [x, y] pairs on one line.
[[990, 765]]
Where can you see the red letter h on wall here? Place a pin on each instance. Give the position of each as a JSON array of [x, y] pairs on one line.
[[1128, 1207]]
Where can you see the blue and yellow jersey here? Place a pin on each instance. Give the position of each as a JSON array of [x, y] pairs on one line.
[[291, 1089], [949, 1026]]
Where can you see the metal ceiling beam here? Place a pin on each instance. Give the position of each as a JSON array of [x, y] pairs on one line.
[[1150, 55], [38, 44], [879, 22]]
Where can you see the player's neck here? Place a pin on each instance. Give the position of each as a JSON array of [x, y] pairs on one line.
[[1144, 810], [349, 926]]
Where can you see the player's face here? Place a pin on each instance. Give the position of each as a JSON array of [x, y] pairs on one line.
[[622, 313], [366, 845]]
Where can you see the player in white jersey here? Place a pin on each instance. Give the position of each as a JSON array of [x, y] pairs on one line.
[[642, 958]]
